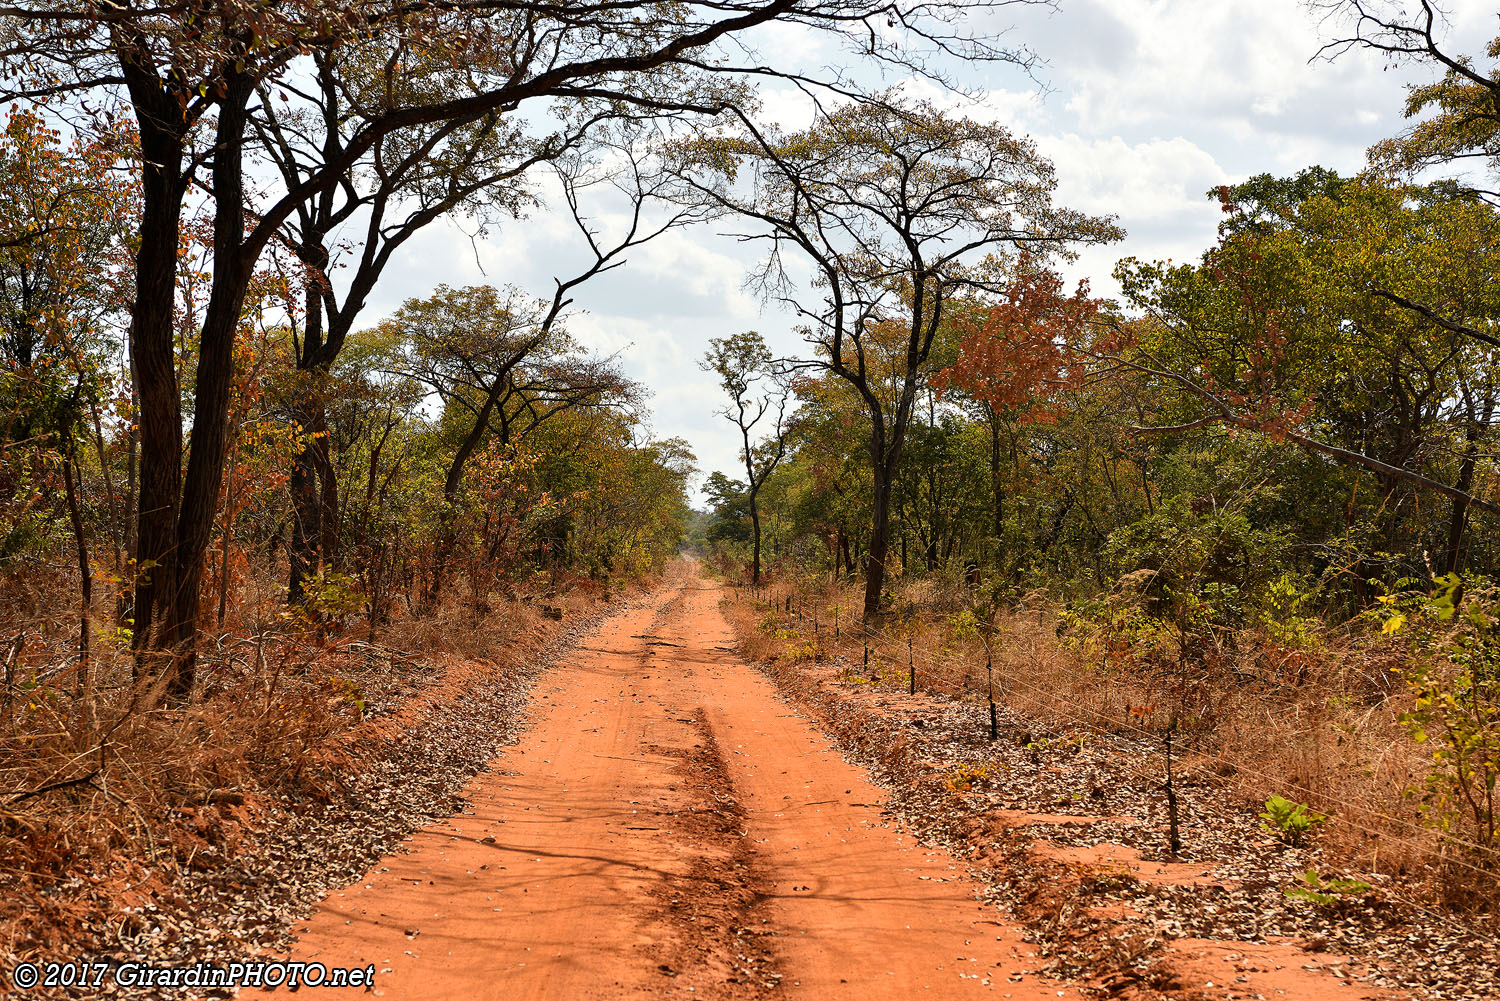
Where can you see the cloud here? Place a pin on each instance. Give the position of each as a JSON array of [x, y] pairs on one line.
[[1156, 189], [1158, 180]]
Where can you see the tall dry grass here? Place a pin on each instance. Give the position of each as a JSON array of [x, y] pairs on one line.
[[106, 787], [1319, 724]]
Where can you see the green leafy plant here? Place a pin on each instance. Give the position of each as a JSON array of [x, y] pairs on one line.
[[1456, 680], [346, 691], [1283, 613], [1291, 822], [797, 647], [1325, 890]]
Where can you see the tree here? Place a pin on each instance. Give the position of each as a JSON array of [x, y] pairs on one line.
[[501, 367], [1014, 358], [1275, 332], [756, 388], [1464, 101], [480, 166], [1464, 122], [64, 213], [622, 497], [896, 204], [188, 79], [728, 509]]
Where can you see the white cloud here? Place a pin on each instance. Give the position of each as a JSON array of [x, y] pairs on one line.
[[1159, 180]]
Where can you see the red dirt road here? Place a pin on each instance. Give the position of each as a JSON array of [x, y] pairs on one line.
[[669, 827]]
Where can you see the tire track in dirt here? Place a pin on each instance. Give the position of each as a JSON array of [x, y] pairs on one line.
[[721, 947], [667, 826]]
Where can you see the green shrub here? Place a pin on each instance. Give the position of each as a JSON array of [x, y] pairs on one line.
[[1291, 822], [1326, 890], [1455, 677]]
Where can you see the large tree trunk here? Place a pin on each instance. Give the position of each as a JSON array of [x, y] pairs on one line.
[[328, 496], [303, 552], [210, 435], [314, 514], [885, 454], [314, 489], [154, 363]]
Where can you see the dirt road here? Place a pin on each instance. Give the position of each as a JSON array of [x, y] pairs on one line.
[[669, 827]]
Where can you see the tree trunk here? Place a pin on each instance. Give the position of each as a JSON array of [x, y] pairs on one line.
[[755, 541], [125, 599], [154, 362], [448, 538], [328, 483], [1460, 514], [225, 538], [314, 514], [210, 436], [302, 551], [997, 512], [880, 528]]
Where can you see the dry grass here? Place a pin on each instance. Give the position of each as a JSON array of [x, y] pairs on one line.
[[100, 794], [1319, 725]]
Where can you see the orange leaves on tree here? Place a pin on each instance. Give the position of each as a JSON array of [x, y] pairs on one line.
[[1016, 355]]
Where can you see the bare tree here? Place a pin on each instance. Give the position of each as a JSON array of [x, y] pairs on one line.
[[481, 167], [757, 387]]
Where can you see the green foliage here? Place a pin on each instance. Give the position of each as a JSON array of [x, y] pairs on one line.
[[964, 624], [729, 510], [1207, 566], [1455, 680], [1292, 822], [1325, 890], [331, 595], [1286, 601], [797, 647]]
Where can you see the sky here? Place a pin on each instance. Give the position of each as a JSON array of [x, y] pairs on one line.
[[1142, 105]]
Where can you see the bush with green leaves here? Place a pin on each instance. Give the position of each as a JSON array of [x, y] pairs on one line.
[[1209, 566], [331, 595], [1292, 822], [1455, 680], [1186, 580], [1284, 613]]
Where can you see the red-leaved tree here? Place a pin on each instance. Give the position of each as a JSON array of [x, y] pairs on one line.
[[1015, 357]]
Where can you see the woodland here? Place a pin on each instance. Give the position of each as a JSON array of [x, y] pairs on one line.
[[1250, 505]]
